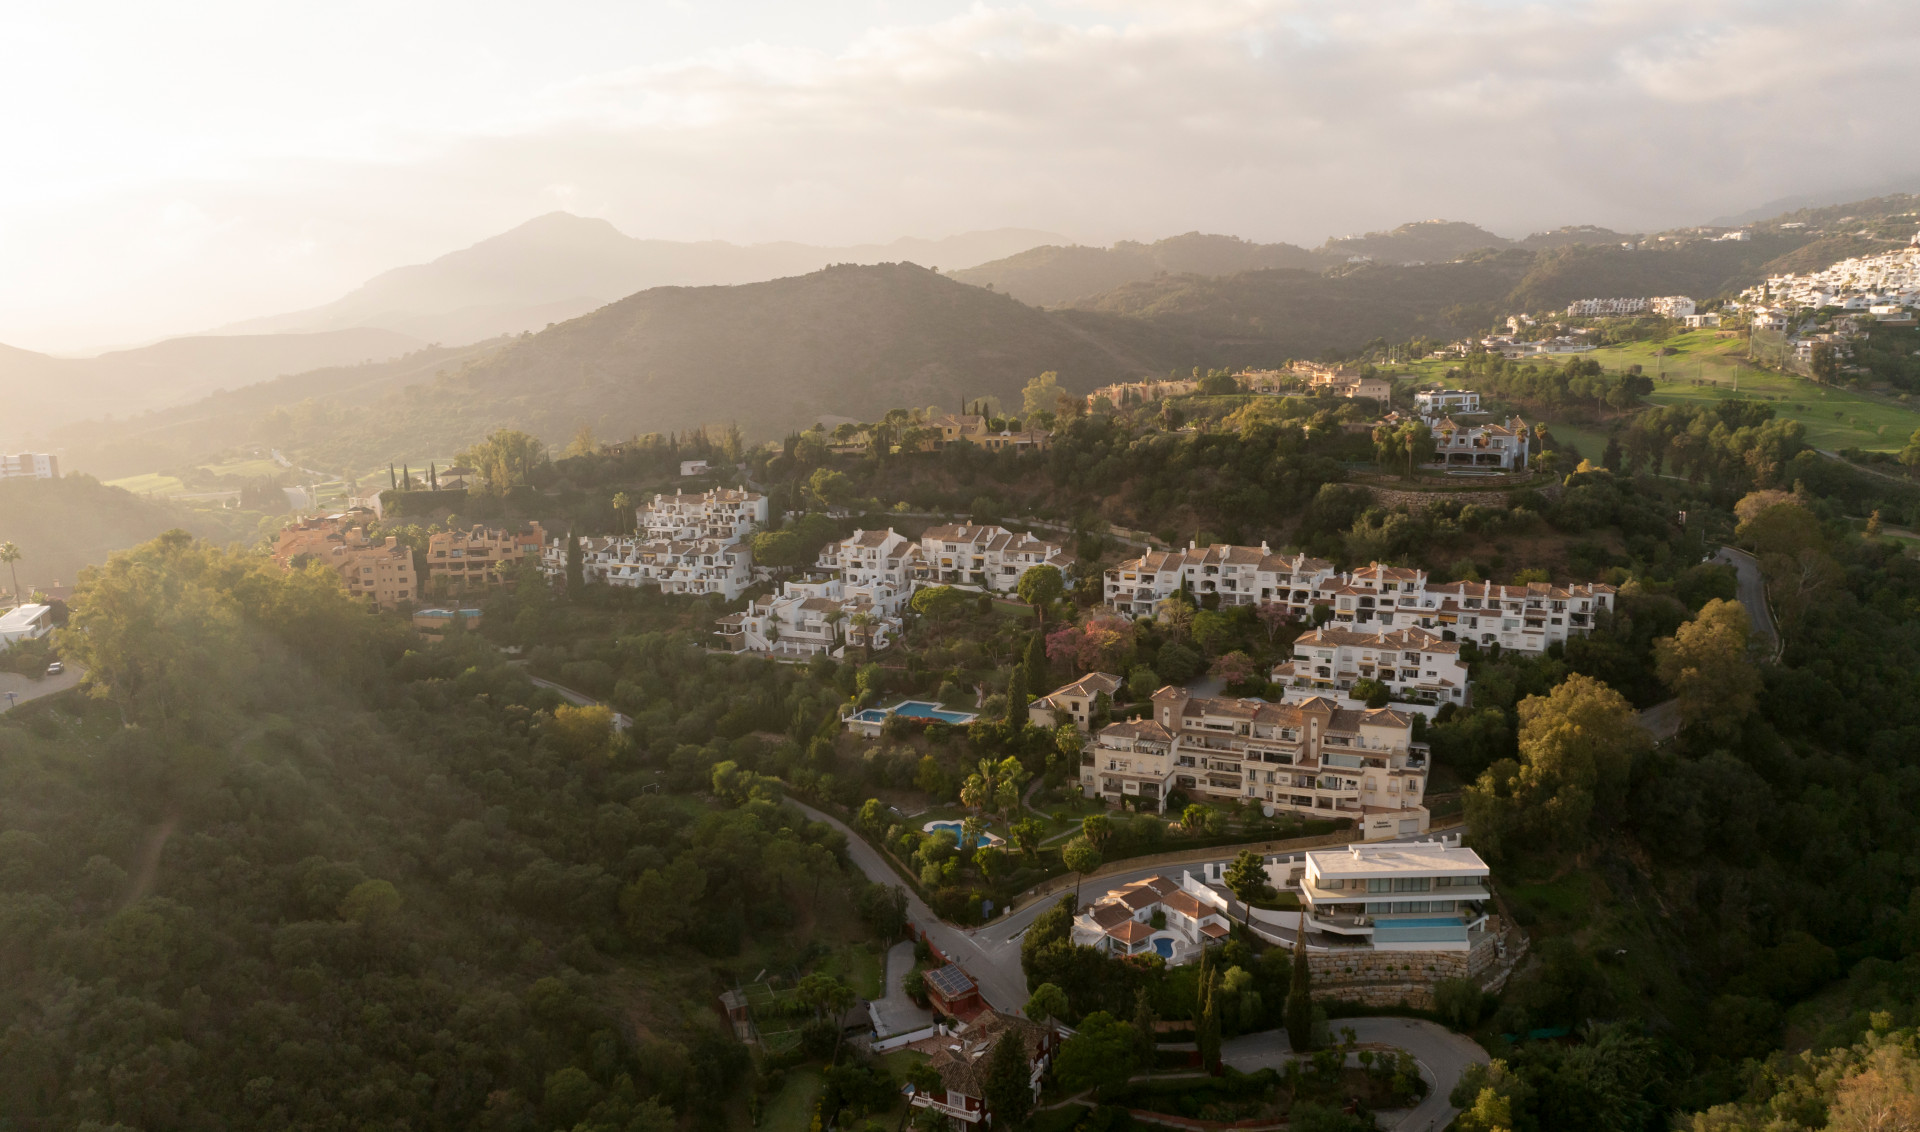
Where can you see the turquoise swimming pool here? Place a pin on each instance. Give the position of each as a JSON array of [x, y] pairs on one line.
[[915, 709], [959, 832]]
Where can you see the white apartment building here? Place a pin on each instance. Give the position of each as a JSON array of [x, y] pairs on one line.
[[723, 513], [806, 617], [1312, 758], [880, 565], [1671, 306], [1494, 447], [1373, 599], [1705, 321], [1604, 308], [697, 566], [983, 557], [1426, 896], [29, 466], [1854, 284], [1240, 575], [1419, 667], [1444, 402]]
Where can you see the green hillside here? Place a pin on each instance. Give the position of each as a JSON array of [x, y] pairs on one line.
[[1052, 275], [64, 524]]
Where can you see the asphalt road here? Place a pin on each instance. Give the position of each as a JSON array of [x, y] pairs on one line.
[[580, 699], [1752, 591], [25, 688], [1443, 1056]]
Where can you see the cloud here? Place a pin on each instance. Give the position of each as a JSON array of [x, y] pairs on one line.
[[1273, 120]]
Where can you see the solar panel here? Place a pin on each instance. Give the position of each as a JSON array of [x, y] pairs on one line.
[[950, 981]]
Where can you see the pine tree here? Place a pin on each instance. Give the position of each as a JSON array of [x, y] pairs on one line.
[[576, 568], [1300, 995], [1009, 1086], [1037, 674]]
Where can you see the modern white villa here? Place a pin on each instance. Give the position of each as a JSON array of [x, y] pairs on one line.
[[1409, 896]]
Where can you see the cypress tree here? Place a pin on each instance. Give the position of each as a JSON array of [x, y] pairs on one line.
[[1009, 1092], [1300, 995], [393, 477], [1037, 675], [576, 569], [1143, 1023], [1017, 696], [1207, 1034]]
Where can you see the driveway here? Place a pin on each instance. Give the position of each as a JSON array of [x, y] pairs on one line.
[[1443, 1056], [894, 1012], [15, 689], [1752, 591], [579, 699]]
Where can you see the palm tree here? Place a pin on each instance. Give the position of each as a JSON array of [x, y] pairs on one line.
[[864, 623], [10, 554], [623, 504]]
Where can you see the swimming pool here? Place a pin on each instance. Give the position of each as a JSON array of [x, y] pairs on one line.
[[1419, 929], [915, 709], [1164, 946], [959, 832]]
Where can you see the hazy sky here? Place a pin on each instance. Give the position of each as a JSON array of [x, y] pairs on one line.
[[169, 168]]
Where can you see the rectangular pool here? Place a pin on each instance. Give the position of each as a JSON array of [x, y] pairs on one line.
[[1419, 929]]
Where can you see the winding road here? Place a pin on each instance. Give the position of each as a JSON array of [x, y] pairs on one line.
[[1752, 591], [991, 954]]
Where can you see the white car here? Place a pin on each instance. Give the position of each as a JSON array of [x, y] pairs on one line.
[[56, 668]]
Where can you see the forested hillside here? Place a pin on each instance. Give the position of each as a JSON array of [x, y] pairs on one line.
[[62, 525], [1053, 275], [292, 870]]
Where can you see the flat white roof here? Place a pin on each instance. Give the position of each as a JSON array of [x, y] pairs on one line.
[[1420, 858], [22, 617]]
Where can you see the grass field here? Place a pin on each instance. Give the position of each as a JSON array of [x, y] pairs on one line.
[[791, 1109], [251, 468], [150, 483]]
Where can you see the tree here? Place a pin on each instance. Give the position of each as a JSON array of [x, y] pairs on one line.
[[830, 999], [1371, 692], [1080, 856], [1206, 1030], [1246, 878], [1273, 617], [576, 568], [1041, 394], [1017, 697], [1233, 668], [1040, 587], [505, 460], [925, 1079], [1145, 1023], [1707, 667], [1009, 1093], [10, 554], [1577, 746], [1300, 994], [1046, 1002], [1102, 1055], [938, 602], [1097, 828], [1197, 818], [623, 507], [1027, 835]]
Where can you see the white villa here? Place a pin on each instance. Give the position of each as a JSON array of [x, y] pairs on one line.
[[1494, 447], [27, 622], [1074, 701], [1155, 916], [807, 617], [983, 557], [1422, 896], [1442, 402]]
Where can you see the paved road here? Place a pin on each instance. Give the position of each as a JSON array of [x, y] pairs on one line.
[[1752, 591], [1443, 1056], [1003, 985], [581, 699], [26, 688]]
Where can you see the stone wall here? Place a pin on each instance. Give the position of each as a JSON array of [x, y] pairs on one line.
[[1394, 978]]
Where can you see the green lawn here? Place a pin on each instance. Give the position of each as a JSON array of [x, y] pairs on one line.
[[1707, 368], [791, 1109], [858, 967], [150, 483], [250, 468]]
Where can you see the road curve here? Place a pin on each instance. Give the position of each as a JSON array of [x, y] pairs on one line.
[[1443, 1056], [23, 689]]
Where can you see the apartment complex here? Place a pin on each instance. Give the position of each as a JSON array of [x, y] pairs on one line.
[[976, 429], [1312, 758], [1190, 916], [1417, 666], [1239, 575], [479, 556], [818, 615], [1075, 701], [1446, 402], [29, 466], [1860, 283], [1373, 599], [700, 566], [1343, 381], [1426, 896], [723, 513], [1495, 447], [983, 557], [878, 564], [382, 572]]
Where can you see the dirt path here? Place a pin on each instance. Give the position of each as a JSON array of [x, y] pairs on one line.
[[150, 861]]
